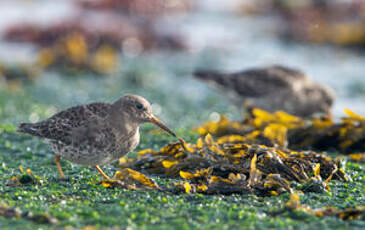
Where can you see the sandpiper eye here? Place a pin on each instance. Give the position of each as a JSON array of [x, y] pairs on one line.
[[139, 106]]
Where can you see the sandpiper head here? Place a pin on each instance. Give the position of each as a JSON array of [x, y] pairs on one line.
[[138, 110], [322, 97]]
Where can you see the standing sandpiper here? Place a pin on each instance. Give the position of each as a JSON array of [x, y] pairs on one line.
[[274, 88], [95, 134]]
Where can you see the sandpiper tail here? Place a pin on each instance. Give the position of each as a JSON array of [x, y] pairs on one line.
[[29, 128]]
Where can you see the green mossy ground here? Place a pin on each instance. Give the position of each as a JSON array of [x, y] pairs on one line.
[[79, 202]]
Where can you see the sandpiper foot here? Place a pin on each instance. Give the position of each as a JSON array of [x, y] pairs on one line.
[[106, 177], [58, 164]]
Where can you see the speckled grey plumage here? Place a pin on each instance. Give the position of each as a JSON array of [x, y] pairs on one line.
[[94, 134], [273, 88]]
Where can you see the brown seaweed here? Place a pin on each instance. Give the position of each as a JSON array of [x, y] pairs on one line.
[[294, 204], [12, 212], [286, 131], [212, 167]]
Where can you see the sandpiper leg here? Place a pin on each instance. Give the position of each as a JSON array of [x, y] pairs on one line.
[[58, 164], [102, 173]]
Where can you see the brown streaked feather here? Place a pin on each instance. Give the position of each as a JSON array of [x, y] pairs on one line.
[[97, 133], [59, 126], [273, 88], [255, 82]]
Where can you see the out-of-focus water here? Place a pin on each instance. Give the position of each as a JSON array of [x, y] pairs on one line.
[[218, 39]]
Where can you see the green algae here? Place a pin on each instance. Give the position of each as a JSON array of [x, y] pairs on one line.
[[79, 201]]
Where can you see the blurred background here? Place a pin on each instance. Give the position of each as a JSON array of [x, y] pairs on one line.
[[59, 53]]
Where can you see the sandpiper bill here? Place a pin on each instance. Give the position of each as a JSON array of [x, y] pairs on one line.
[[95, 134]]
